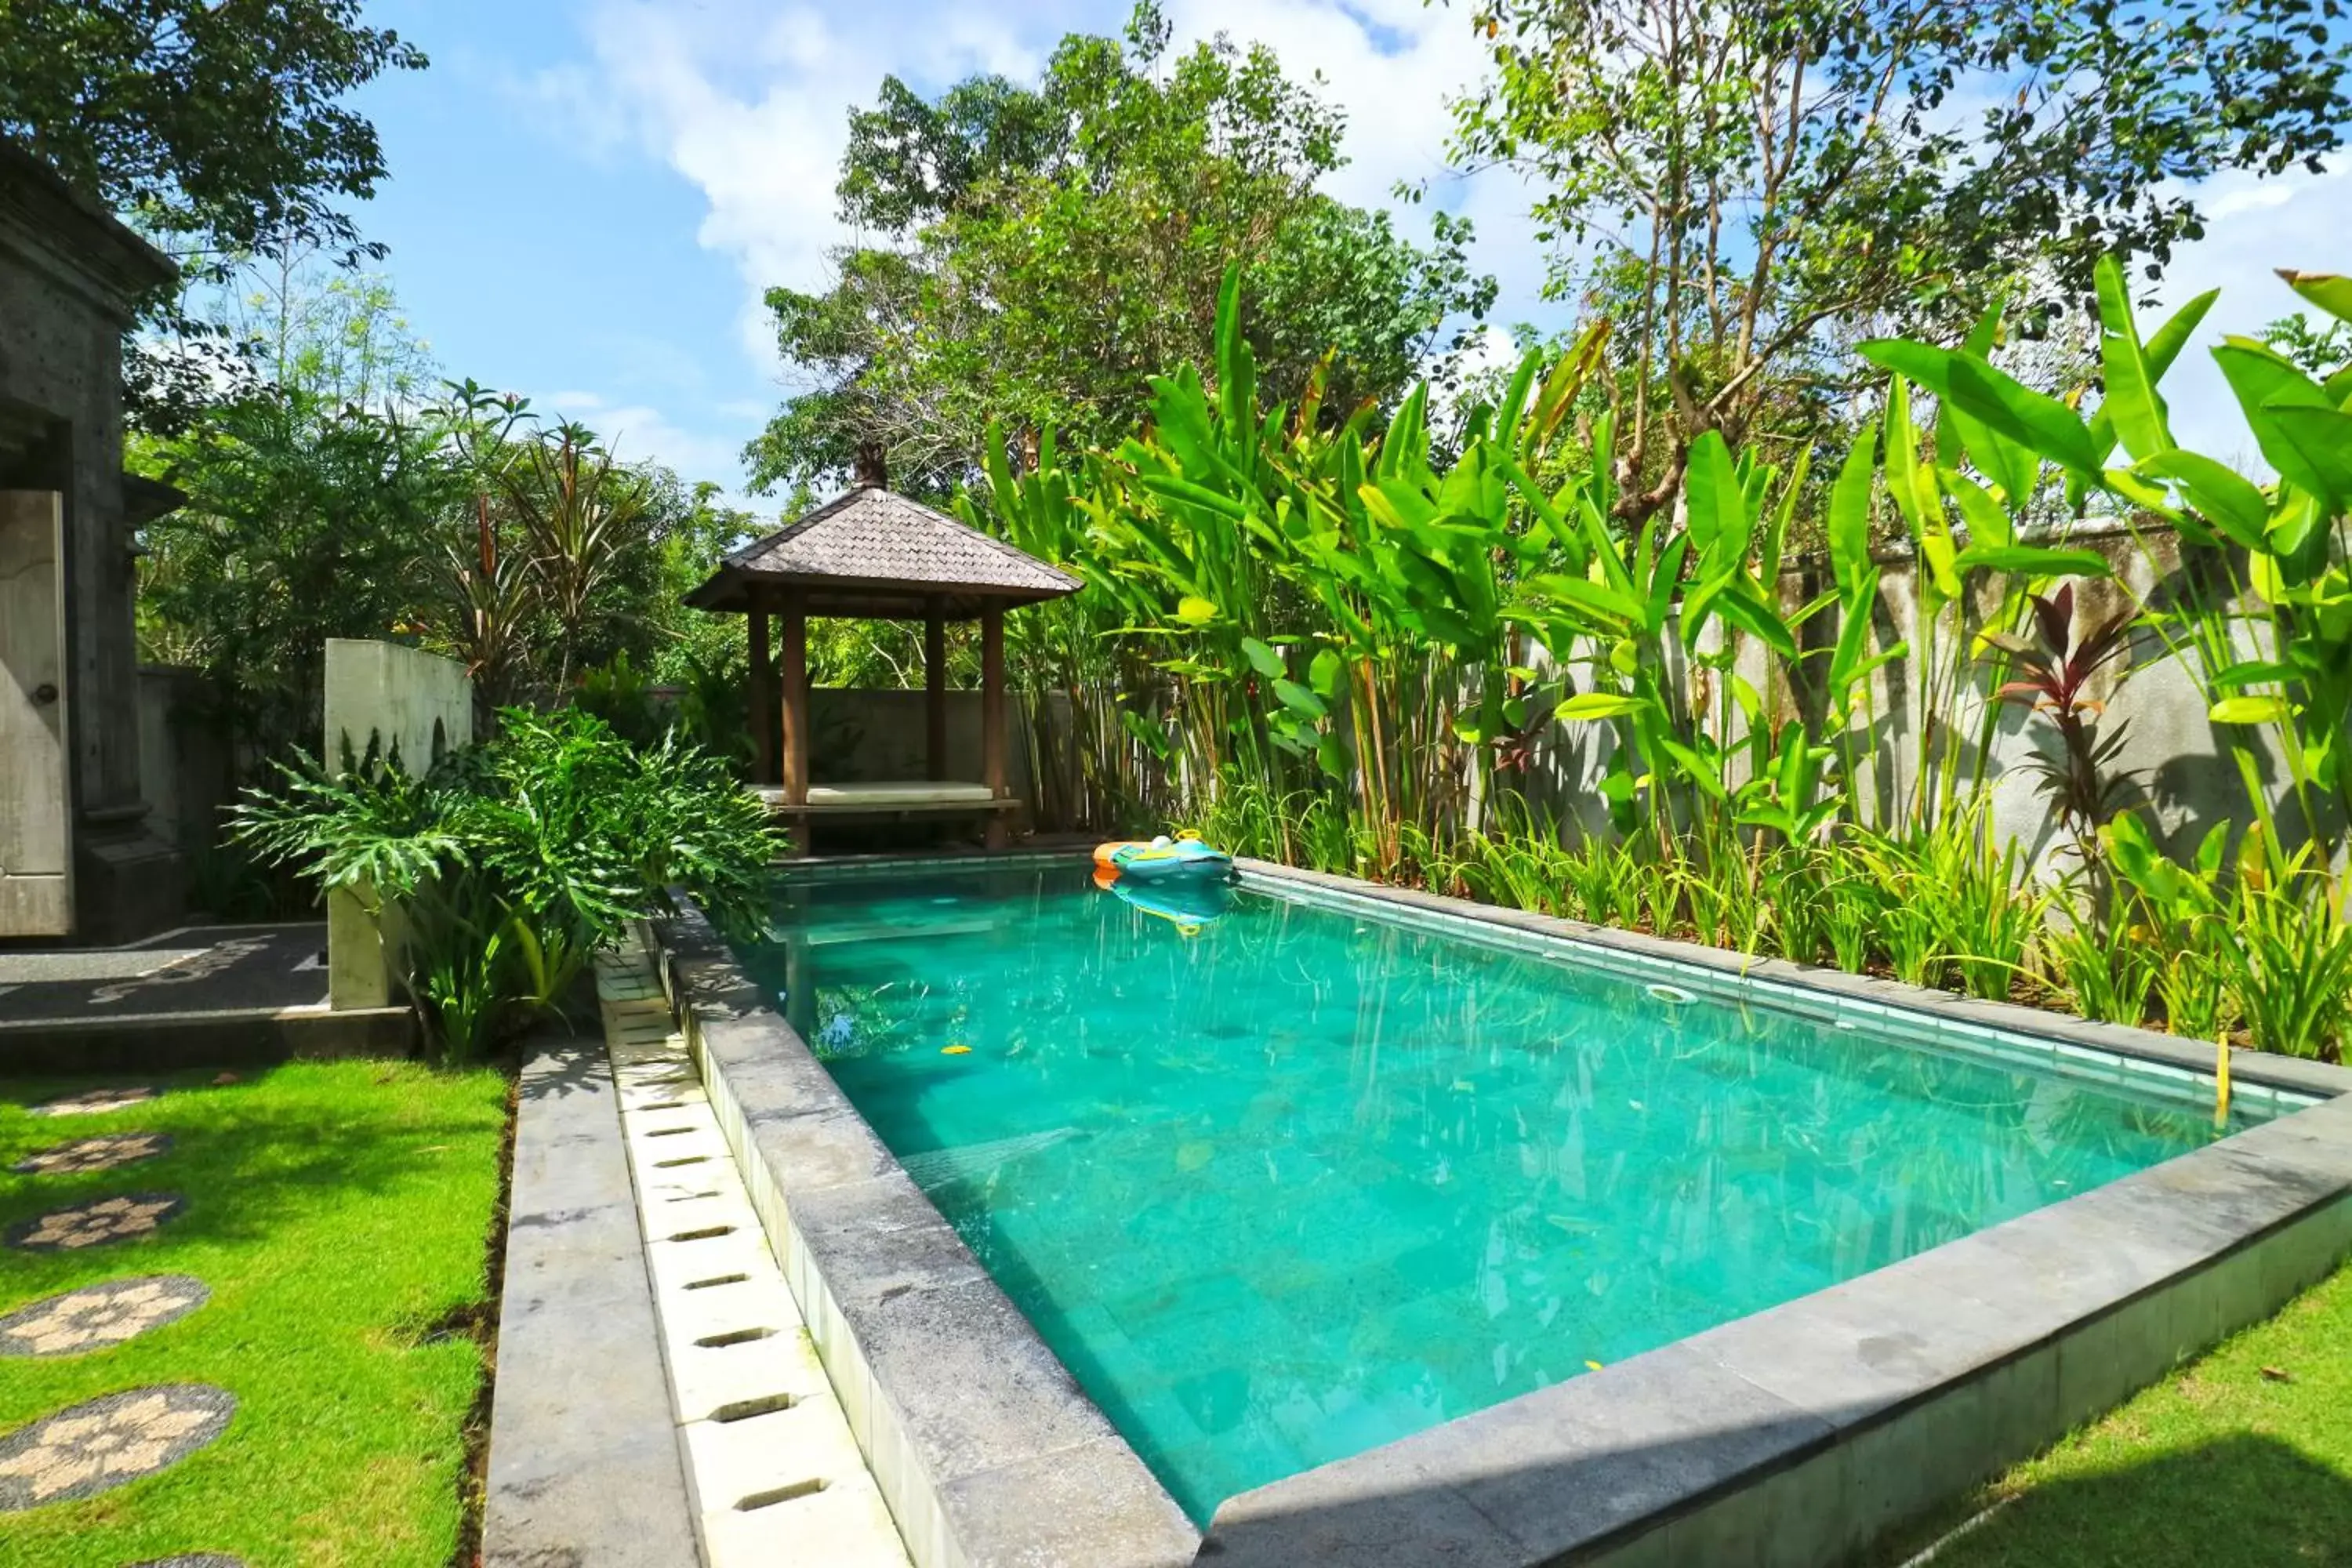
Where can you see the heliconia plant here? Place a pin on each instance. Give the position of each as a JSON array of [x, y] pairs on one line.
[[1329, 638]]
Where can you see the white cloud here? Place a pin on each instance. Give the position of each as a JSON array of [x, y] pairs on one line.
[[2252, 226], [754, 112], [750, 107], [635, 431]]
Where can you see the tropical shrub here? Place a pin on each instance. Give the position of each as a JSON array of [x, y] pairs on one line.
[[511, 863], [1344, 646]]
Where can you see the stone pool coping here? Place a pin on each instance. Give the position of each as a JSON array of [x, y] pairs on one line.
[[1774, 979], [987, 1451], [1793, 1436]]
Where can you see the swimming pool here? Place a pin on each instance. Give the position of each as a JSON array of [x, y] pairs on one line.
[[1300, 1181]]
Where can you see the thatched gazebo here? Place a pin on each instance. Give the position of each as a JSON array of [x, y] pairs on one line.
[[874, 554]]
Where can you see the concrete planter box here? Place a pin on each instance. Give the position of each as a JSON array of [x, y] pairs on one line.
[[1792, 1436]]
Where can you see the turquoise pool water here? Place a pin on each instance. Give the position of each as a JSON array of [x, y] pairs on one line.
[[1301, 1182]]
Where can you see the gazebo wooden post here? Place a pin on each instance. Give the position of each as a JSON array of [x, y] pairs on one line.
[[797, 719], [763, 687], [991, 718], [935, 687]]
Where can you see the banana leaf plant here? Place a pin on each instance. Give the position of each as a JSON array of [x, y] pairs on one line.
[[2274, 651]]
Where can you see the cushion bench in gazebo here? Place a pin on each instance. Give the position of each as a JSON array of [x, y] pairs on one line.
[[875, 555], [912, 795]]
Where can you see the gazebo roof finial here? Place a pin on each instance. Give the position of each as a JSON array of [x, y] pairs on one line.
[[873, 470]]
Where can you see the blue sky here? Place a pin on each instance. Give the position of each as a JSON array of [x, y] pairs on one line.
[[587, 199]]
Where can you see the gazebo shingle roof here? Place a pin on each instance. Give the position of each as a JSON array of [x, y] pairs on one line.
[[873, 552]]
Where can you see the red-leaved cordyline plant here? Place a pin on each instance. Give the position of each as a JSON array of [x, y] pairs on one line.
[[2052, 677]]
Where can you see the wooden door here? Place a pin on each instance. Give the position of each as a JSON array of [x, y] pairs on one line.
[[36, 854]]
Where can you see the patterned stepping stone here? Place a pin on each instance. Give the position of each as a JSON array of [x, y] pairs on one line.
[[95, 1223], [109, 1442], [97, 1101], [194, 1560], [99, 1316], [86, 1154]]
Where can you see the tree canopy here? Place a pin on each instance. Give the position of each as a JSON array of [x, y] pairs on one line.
[[1738, 184], [1037, 253], [219, 123]]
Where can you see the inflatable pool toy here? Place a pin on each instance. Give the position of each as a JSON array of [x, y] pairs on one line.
[[1189, 906], [1165, 858]]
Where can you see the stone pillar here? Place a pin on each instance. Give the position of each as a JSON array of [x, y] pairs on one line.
[[795, 676], [762, 704], [70, 281]]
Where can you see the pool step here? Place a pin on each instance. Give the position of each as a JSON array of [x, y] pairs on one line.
[[777, 1480]]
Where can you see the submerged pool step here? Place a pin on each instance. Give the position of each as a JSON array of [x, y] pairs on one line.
[[777, 1478]]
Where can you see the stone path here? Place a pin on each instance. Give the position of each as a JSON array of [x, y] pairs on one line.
[[112, 1441], [776, 1476], [104, 1443], [100, 1316], [96, 1223], [105, 1153], [96, 1101]]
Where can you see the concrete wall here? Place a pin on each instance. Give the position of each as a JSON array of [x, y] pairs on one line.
[[416, 701], [70, 279], [420, 704], [186, 772], [2187, 780]]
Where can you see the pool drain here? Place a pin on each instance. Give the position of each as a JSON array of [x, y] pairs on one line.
[[1670, 993]]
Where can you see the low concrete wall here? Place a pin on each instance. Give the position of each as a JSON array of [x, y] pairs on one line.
[[987, 1451], [415, 706]]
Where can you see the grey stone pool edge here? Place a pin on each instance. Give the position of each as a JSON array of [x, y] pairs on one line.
[[1794, 1436], [986, 1450]]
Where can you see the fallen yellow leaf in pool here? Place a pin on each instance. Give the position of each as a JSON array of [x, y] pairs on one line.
[[955, 1051], [1192, 1156], [1593, 1364]]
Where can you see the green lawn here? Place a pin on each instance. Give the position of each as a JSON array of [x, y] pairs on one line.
[[339, 1212], [2222, 1465]]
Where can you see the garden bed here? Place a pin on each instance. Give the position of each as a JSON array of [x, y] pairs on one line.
[[333, 1219]]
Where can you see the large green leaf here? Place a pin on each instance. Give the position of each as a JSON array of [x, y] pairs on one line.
[[2218, 492], [1849, 517], [2035, 561], [2139, 412], [2256, 710], [2330, 291], [1589, 706], [1298, 698], [2041, 423], [1989, 526], [2322, 438], [1606, 604], [2264, 380], [1718, 516]]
